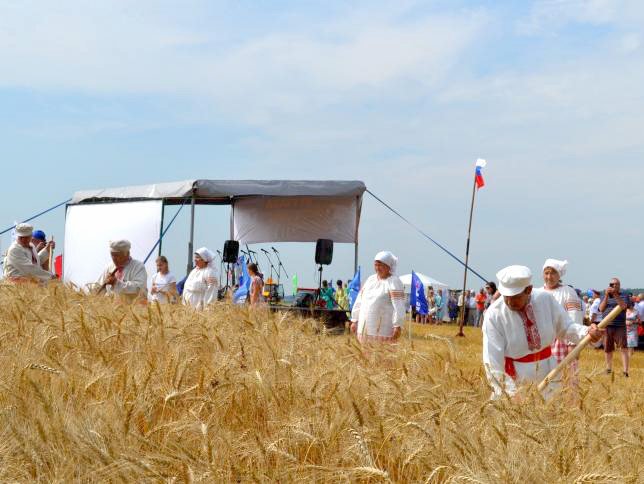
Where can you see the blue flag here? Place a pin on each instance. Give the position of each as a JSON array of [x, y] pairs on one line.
[[241, 294], [417, 297], [354, 288]]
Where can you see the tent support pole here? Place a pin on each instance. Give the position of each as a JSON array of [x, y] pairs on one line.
[[161, 230], [232, 219], [355, 246], [355, 257], [192, 232]]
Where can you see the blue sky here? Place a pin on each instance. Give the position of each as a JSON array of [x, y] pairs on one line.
[[402, 95]]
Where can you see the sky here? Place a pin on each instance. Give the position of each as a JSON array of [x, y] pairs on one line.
[[403, 95]]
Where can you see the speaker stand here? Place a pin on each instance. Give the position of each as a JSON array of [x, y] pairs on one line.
[[319, 299]]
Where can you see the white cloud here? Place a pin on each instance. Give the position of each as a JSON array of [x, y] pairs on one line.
[[115, 49], [546, 16]]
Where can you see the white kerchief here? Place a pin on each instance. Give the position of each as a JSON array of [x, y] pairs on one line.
[[559, 265], [205, 254], [388, 258]]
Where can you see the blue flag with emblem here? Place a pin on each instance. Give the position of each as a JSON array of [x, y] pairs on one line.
[[241, 294], [417, 297], [354, 288]]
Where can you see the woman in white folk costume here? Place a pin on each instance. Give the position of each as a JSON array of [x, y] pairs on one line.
[[379, 310], [164, 284], [202, 284], [553, 272], [518, 331]]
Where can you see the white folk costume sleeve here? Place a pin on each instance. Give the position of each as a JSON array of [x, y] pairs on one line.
[[212, 286], [397, 294], [572, 304], [494, 358], [135, 279], [19, 263], [565, 328], [43, 256]]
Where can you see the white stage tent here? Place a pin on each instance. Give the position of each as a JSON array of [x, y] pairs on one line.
[[261, 211], [427, 282]]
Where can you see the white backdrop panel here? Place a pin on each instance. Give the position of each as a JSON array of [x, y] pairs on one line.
[[294, 219], [89, 228]]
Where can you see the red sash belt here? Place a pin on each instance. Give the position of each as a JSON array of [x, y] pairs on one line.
[[531, 358]]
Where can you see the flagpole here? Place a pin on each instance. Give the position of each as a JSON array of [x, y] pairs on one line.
[[467, 255]]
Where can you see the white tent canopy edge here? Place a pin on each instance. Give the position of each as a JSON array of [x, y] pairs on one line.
[[261, 210]]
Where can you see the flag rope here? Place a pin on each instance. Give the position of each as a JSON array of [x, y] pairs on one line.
[[165, 230], [427, 236], [37, 215]]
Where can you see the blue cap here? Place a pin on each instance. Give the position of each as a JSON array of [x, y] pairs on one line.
[[39, 234]]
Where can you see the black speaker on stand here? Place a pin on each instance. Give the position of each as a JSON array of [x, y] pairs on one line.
[[231, 252], [323, 256]]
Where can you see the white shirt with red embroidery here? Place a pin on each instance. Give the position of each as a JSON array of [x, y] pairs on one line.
[[504, 334], [379, 307], [23, 262], [567, 297], [131, 280]]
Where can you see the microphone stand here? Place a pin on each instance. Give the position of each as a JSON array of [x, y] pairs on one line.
[[250, 252], [271, 292], [280, 266], [221, 267]]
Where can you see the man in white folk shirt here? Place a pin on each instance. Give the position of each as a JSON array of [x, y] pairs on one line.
[[518, 331], [124, 276], [21, 262]]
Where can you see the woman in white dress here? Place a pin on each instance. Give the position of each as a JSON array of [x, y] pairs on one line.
[[164, 284], [202, 284], [379, 310], [553, 271]]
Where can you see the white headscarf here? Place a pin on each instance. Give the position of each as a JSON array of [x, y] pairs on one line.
[[559, 265], [388, 258], [205, 254]]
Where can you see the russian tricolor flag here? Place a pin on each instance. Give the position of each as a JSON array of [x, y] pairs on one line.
[[480, 164]]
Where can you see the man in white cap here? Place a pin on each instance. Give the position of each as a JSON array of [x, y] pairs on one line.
[[21, 261], [124, 276], [518, 331]]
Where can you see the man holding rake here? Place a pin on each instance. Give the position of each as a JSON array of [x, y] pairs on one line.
[[518, 331]]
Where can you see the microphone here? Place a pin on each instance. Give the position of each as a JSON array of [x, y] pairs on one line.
[[274, 249], [264, 251], [252, 251], [219, 252]]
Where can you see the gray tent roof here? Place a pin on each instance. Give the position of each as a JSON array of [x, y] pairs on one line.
[[222, 191]]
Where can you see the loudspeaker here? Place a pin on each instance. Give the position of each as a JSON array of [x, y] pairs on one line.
[[231, 251], [324, 251]]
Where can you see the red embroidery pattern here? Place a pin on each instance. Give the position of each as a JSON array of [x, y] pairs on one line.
[[531, 329]]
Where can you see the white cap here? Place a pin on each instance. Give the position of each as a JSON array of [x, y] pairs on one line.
[[24, 230], [513, 280], [120, 245], [559, 265]]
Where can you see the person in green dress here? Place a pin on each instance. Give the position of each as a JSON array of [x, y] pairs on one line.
[[326, 294]]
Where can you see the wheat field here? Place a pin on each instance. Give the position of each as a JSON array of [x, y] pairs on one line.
[[94, 391]]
